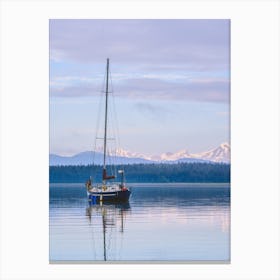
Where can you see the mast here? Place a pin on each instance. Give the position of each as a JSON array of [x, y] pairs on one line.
[[105, 177], [106, 109]]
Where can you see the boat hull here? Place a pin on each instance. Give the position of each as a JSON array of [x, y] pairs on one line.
[[114, 196]]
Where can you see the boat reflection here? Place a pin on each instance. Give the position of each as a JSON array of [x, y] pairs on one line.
[[110, 218]]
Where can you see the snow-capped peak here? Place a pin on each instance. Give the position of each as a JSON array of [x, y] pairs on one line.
[[175, 156], [219, 154], [125, 153], [225, 145]]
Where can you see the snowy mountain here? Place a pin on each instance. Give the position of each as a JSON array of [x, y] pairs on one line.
[[219, 154]]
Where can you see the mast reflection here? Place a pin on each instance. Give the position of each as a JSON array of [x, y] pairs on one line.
[[109, 217]]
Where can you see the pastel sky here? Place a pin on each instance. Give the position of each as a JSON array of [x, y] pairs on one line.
[[170, 78]]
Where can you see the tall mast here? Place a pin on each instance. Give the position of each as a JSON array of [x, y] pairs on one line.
[[106, 108]]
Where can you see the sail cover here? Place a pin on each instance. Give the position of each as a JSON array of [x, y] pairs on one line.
[[105, 177]]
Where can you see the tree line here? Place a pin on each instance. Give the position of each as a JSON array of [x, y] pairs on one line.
[[145, 173]]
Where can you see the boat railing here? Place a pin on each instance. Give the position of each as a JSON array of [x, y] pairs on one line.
[[102, 188]]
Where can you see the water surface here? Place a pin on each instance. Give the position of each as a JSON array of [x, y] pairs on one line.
[[161, 222]]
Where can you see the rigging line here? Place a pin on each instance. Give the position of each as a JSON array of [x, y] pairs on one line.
[[112, 162], [101, 96], [106, 116], [112, 103], [113, 133], [109, 158], [101, 99], [117, 128], [97, 124], [111, 82], [113, 116], [104, 80]]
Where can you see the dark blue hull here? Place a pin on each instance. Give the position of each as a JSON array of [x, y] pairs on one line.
[[117, 196]]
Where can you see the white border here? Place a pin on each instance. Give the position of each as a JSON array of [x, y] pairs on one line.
[[254, 131]]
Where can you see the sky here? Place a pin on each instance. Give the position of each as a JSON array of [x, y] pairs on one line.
[[170, 81]]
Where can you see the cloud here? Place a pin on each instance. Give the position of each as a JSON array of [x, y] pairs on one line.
[[201, 91], [75, 86], [71, 80], [154, 111], [199, 44], [209, 90], [154, 59]]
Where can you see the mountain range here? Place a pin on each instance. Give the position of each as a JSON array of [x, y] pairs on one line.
[[219, 154]]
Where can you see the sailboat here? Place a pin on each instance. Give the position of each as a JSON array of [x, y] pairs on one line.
[[116, 192]]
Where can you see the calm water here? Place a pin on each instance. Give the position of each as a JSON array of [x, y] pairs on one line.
[[161, 222]]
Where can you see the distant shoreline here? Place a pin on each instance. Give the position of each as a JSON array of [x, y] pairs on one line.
[[145, 173]]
